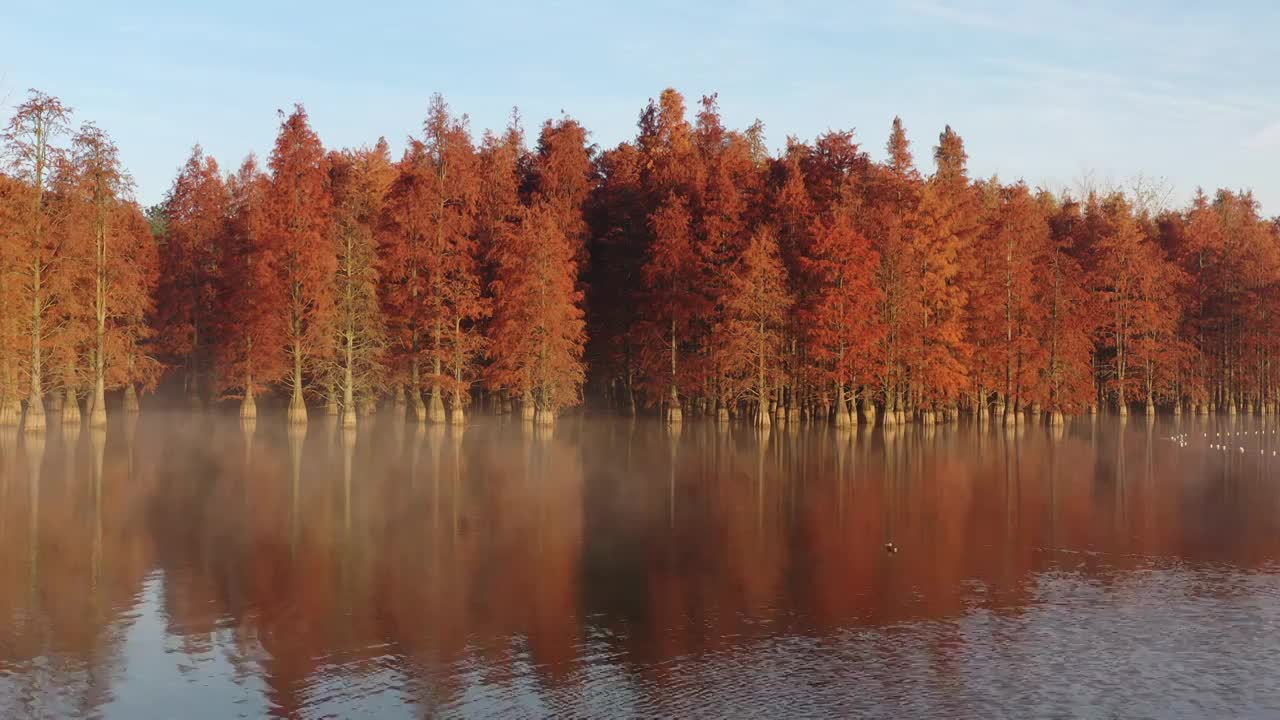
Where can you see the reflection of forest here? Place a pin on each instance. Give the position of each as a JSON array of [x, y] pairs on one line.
[[430, 563]]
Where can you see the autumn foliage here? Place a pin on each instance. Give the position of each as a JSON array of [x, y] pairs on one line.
[[687, 272]]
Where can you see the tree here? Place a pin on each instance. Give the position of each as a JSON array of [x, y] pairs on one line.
[[1129, 277], [732, 182], [195, 213], [538, 332], [843, 330], [498, 208], [1005, 309], [756, 307], [359, 183], [252, 333], [892, 218], [29, 145], [102, 187], [938, 256], [13, 203], [671, 296], [298, 248], [132, 280], [1066, 336], [561, 178]]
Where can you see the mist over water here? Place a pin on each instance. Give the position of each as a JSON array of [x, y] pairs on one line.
[[186, 565]]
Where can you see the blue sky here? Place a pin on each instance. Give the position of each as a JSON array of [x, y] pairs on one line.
[[1043, 91]]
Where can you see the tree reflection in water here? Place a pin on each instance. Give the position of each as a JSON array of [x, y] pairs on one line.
[[612, 566]]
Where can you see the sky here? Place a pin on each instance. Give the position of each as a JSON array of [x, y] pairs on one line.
[[1050, 92]]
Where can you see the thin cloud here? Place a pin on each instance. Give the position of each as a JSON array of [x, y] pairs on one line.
[[1266, 138]]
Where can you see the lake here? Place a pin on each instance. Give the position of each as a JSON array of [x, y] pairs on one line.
[[180, 566]]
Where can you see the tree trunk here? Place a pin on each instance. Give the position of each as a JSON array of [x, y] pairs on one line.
[[297, 405], [10, 412], [35, 420], [868, 407], [527, 410], [348, 392], [98, 404], [435, 406], [842, 417], [71, 408], [248, 406], [397, 402], [675, 415], [131, 405], [415, 395]]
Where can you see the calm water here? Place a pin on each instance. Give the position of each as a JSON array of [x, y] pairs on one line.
[[184, 568]]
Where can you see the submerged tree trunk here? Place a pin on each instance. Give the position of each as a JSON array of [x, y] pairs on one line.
[[71, 407], [10, 406], [415, 399], [435, 408], [842, 417], [297, 405], [527, 409], [10, 412], [397, 402], [762, 388], [458, 415], [348, 392], [248, 406], [98, 404], [131, 405]]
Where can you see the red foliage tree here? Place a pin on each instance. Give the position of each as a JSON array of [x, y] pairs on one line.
[[672, 300], [1134, 282], [298, 251], [498, 209], [251, 334], [13, 202], [68, 337], [1070, 318], [893, 206], [191, 261], [948, 222], [536, 291], [134, 277], [29, 141], [359, 183], [1006, 316], [842, 328], [756, 308], [118, 260], [538, 332], [732, 181]]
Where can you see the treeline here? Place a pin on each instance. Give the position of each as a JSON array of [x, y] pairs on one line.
[[687, 271]]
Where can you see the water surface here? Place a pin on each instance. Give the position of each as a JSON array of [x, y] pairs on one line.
[[179, 566]]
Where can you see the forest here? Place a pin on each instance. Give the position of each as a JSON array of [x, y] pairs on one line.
[[689, 272]]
